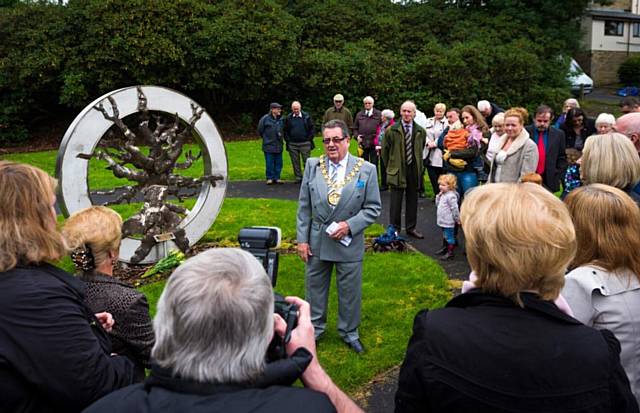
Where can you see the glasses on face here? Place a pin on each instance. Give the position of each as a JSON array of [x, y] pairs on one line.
[[335, 139], [337, 101]]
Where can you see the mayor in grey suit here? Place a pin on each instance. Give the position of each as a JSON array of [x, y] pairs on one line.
[[336, 188]]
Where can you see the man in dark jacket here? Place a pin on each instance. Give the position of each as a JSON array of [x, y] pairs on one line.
[[213, 326], [270, 130], [488, 110], [364, 129], [298, 134], [402, 155], [552, 160]]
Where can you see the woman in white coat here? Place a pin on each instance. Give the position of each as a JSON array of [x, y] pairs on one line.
[[517, 154], [603, 290]]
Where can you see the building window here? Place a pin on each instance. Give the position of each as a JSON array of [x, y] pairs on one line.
[[636, 29], [613, 28]]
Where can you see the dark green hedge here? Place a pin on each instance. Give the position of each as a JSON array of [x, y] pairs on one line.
[[234, 57]]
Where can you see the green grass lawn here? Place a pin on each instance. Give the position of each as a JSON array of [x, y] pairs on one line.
[[245, 161], [394, 287]]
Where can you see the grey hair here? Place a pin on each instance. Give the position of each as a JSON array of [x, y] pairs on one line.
[[337, 123], [215, 318], [483, 104], [572, 101], [606, 118], [367, 99], [388, 113]]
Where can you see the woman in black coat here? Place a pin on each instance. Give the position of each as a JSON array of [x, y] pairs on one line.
[[505, 346], [577, 128], [93, 234], [54, 354]]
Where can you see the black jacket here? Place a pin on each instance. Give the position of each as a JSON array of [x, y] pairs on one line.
[[556, 158], [54, 356], [132, 333], [163, 393], [483, 353], [577, 141]]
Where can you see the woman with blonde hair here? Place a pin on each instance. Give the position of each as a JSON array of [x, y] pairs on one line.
[[55, 356], [93, 234], [603, 290], [612, 160], [517, 155], [505, 346]]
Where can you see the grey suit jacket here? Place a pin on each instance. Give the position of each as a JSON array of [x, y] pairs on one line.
[[359, 206]]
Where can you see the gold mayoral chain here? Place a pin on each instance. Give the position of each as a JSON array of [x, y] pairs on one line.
[[334, 186]]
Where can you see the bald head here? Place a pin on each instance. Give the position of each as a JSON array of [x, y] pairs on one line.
[[629, 125]]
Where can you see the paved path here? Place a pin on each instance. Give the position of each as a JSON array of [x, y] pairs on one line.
[[456, 268]]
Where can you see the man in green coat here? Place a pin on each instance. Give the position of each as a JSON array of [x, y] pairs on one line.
[[339, 111], [402, 155]]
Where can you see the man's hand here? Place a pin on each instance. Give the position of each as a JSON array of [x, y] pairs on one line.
[[431, 144], [304, 251], [106, 320], [303, 334], [342, 231], [314, 377]]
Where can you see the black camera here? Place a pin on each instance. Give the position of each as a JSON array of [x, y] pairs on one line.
[[260, 241]]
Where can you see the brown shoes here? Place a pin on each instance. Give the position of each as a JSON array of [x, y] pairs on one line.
[[415, 233]]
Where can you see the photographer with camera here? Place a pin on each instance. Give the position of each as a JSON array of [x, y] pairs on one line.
[[213, 325]]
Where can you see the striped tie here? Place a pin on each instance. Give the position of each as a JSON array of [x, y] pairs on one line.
[[408, 144], [334, 171]]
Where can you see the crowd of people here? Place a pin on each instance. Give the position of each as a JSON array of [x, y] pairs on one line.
[[549, 319]]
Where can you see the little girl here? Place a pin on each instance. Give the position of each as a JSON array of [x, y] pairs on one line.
[[448, 214], [572, 175]]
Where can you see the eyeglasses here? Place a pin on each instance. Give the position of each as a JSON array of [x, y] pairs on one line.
[[338, 101], [335, 139]]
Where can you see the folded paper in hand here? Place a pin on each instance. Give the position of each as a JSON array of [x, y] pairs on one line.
[[346, 240]]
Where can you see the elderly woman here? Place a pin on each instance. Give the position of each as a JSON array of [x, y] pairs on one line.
[[611, 160], [432, 155], [93, 234], [387, 117], [505, 346], [517, 154], [497, 130], [54, 354], [605, 123], [569, 104], [604, 288]]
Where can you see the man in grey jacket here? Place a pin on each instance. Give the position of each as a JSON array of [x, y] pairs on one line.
[[339, 198]]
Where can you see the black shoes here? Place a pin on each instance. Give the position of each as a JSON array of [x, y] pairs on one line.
[[415, 233], [356, 345]]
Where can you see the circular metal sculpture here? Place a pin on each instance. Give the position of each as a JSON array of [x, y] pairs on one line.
[[146, 154]]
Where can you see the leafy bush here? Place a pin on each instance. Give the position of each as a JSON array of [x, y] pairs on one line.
[[629, 71], [235, 56]]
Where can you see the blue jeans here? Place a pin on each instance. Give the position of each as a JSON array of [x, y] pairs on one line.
[[449, 235], [273, 163], [466, 181]]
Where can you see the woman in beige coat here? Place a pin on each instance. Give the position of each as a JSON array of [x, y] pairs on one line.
[[517, 154]]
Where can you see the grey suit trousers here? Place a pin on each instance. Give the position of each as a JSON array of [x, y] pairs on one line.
[[349, 283]]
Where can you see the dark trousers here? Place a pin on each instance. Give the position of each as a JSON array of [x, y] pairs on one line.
[[383, 174], [370, 155], [299, 151], [411, 196], [434, 173]]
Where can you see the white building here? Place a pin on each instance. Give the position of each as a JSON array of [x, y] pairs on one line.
[[611, 35]]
